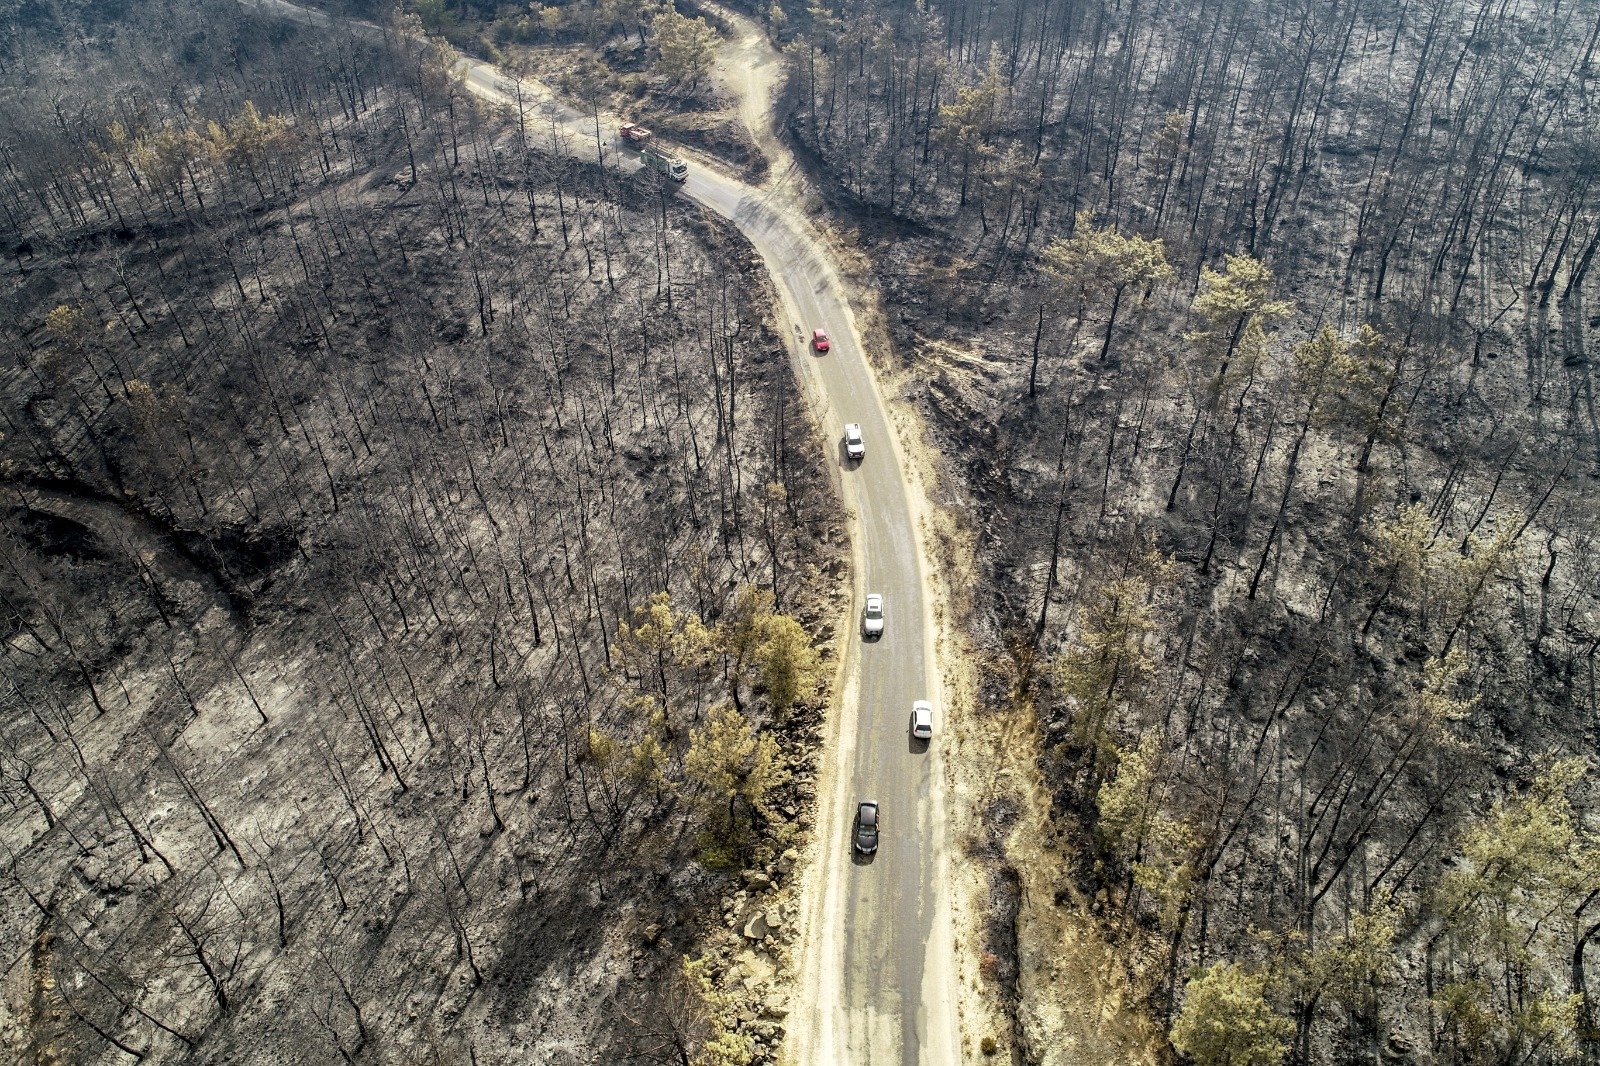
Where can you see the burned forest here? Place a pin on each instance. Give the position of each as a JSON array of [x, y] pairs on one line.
[[411, 538], [1258, 341], [447, 448]]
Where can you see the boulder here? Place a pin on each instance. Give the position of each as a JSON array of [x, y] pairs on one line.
[[755, 926], [1397, 1049]]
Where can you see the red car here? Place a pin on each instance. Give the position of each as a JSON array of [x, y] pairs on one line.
[[819, 340]]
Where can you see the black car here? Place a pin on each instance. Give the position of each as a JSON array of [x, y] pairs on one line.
[[866, 840]]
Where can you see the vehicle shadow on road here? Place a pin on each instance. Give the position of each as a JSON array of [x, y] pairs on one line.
[[859, 859], [916, 746]]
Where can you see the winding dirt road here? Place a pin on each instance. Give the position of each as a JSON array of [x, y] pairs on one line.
[[876, 981]]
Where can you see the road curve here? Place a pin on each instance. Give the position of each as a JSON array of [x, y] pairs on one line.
[[876, 979]]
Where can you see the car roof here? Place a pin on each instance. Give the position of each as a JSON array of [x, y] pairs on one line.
[[868, 813], [922, 705], [852, 427], [819, 332], [874, 597]]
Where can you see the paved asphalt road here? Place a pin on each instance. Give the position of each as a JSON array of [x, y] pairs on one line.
[[884, 908], [889, 995]]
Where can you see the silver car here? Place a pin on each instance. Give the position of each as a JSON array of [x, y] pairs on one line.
[[922, 720], [872, 617], [855, 446]]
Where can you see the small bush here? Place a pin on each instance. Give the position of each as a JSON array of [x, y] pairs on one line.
[[717, 853]]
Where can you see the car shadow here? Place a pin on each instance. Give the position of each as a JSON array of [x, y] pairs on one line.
[[857, 858], [916, 746]]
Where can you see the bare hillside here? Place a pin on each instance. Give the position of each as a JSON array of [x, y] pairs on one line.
[[404, 528]]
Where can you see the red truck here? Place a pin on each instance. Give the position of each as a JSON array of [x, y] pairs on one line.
[[634, 135]]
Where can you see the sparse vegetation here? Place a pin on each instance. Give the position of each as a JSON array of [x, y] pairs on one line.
[[1227, 1021]]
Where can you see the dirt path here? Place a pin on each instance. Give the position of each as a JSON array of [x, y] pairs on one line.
[[752, 71]]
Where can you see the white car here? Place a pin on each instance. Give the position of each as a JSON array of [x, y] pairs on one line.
[[872, 617], [922, 720], [854, 446]]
